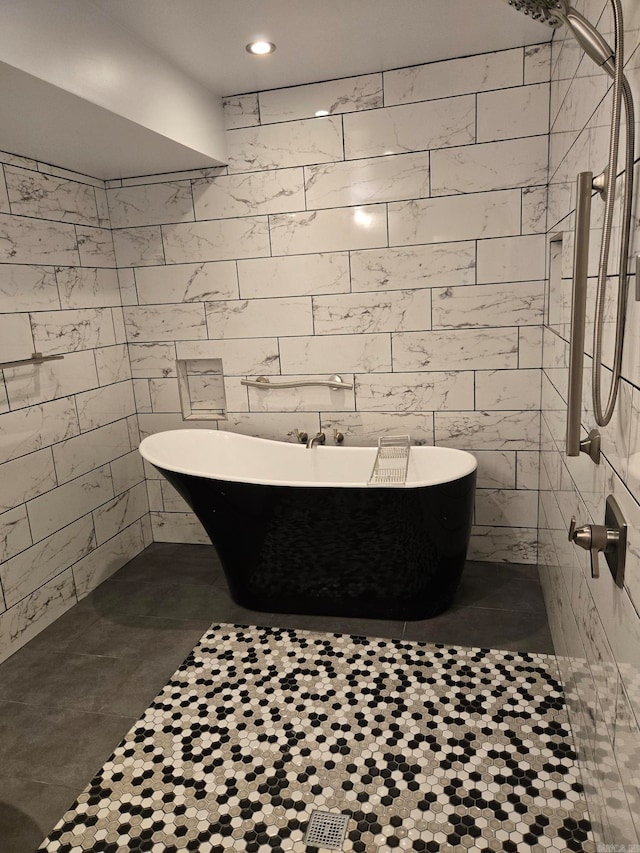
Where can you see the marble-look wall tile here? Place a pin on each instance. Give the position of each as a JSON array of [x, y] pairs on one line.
[[294, 275], [359, 313], [219, 240], [26, 478], [152, 204], [513, 113], [332, 97], [15, 535], [247, 356], [410, 392], [37, 565], [241, 111], [30, 385], [489, 166], [96, 247], [156, 359], [362, 429], [127, 471], [35, 427], [528, 469], [69, 331], [249, 318], [102, 205], [30, 241], [435, 265], [4, 195], [104, 405], [127, 285], [138, 246], [416, 127], [530, 347], [336, 354], [178, 527], [537, 63], [112, 364], [506, 508], [250, 194], [276, 146], [534, 210], [68, 502], [454, 77], [504, 544], [27, 288], [488, 305], [458, 349], [48, 197], [496, 468], [164, 395], [165, 322], [367, 181], [335, 230], [16, 340], [508, 389], [106, 559], [186, 282], [511, 259], [464, 217], [23, 621], [120, 512], [278, 426], [163, 178], [488, 430], [94, 449], [82, 287]]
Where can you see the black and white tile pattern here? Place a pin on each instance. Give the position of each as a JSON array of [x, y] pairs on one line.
[[425, 747]]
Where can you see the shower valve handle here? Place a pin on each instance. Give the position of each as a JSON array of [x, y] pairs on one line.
[[593, 538]]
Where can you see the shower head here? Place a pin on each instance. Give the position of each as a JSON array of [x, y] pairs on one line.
[[545, 11], [558, 12]]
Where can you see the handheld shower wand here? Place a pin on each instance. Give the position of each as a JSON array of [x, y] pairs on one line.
[[555, 13]]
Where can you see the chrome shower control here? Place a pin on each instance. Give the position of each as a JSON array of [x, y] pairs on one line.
[[609, 538]]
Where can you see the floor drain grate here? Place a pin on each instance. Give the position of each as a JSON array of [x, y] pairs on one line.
[[326, 830]]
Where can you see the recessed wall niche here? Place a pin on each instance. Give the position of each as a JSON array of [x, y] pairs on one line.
[[201, 385]]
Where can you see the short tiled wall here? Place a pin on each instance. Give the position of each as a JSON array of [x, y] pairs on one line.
[[73, 503], [397, 241]]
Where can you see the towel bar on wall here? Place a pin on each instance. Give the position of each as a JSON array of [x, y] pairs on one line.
[[264, 382], [36, 358]]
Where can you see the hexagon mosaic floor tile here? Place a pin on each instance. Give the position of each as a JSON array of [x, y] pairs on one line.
[[424, 747]]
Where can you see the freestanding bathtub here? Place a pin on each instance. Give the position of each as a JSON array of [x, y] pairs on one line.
[[299, 530]]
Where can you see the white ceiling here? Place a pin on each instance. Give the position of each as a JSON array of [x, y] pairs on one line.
[[316, 39], [92, 85]]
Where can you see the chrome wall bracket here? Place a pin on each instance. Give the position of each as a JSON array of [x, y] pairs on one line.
[[599, 183], [591, 445]]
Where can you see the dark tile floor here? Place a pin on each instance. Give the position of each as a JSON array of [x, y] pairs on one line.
[[70, 695]]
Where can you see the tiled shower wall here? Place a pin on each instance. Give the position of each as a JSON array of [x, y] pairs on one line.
[[596, 625], [72, 491], [397, 241]]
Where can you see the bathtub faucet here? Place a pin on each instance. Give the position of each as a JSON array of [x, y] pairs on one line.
[[320, 438]]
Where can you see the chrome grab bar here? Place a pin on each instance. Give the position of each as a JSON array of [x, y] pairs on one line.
[[590, 445], [36, 358], [264, 382]]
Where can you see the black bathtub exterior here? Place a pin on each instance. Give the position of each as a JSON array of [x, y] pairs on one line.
[[362, 552]]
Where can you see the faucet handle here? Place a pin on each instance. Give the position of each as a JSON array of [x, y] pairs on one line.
[[301, 436]]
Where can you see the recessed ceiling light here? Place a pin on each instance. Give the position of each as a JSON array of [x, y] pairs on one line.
[[260, 48], [322, 113]]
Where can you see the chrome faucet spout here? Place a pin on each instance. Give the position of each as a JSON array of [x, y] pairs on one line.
[[320, 438]]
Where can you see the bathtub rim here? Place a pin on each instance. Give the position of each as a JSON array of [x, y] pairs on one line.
[[466, 461]]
